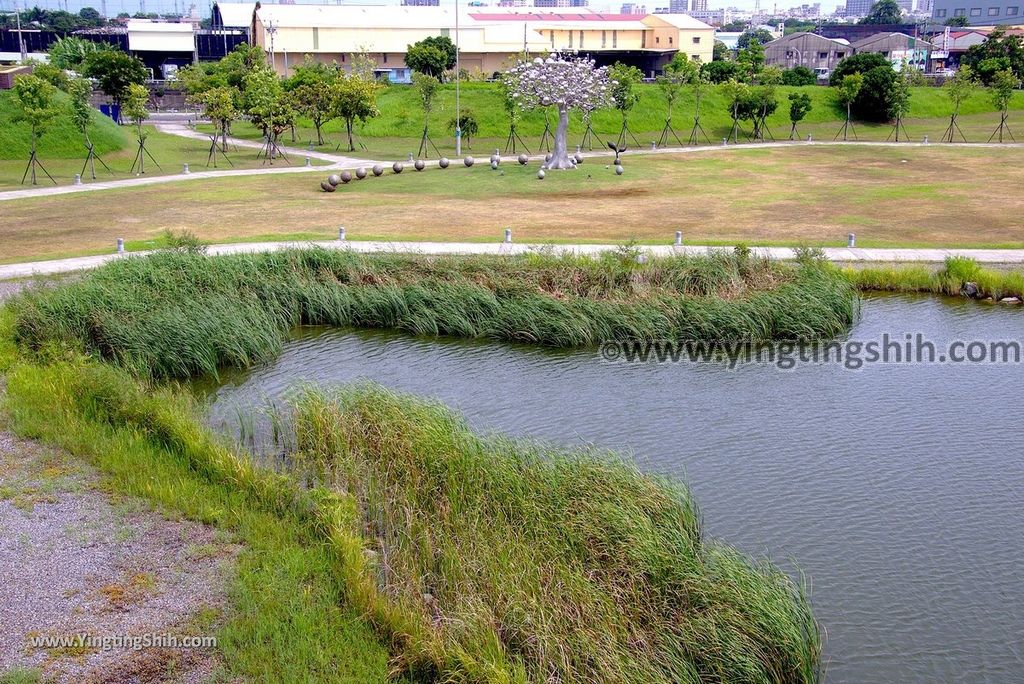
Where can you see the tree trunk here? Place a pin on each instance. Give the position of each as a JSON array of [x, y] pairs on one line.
[[351, 143], [319, 137], [560, 155]]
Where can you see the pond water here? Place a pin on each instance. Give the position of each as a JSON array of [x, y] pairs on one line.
[[898, 489]]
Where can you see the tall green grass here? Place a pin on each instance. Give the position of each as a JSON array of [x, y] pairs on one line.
[[948, 280], [180, 314], [524, 563]]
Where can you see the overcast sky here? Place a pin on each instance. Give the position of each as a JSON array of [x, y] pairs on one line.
[[115, 7]]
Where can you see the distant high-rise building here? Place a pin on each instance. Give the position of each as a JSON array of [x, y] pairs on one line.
[[632, 8], [698, 5], [906, 5], [858, 8], [421, 3], [678, 6], [560, 3]]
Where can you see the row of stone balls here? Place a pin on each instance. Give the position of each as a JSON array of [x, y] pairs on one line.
[[335, 179]]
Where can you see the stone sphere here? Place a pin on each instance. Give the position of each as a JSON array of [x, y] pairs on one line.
[[469, 161], [495, 158], [378, 170], [523, 159], [618, 169], [327, 187], [346, 176], [397, 167], [443, 163], [334, 179], [419, 165], [578, 158], [361, 173], [541, 174], [494, 165]]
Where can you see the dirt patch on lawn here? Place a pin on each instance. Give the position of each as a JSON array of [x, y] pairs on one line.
[[80, 561]]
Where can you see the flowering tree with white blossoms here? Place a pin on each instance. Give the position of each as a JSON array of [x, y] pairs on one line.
[[565, 82]]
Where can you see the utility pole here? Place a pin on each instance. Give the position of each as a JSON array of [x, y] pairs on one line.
[[458, 117]]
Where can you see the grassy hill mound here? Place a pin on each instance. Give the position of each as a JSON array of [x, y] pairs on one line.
[[61, 140], [402, 116]]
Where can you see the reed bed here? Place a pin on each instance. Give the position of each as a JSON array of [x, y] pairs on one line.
[[524, 563], [182, 313], [954, 279]]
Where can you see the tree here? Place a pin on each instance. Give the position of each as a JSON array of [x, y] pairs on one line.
[[565, 83], [958, 89], [355, 99], [80, 92], [316, 101], [861, 63], [33, 101], [721, 72], [507, 86], [799, 107], [846, 94], [268, 108], [751, 60], [624, 79], [678, 73], [719, 52], [799, 76], [116, 72], [467, 126], [1008, 51], [1001, 91], [70, 52], [426, 86], [957, 21], [431, 56], [91, 15], [875, 100], [699, 85], [219, 105], [134, 103], [736, 94], [762, 36], [899, 100], [884, 12]]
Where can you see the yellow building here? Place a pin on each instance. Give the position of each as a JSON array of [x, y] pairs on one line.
[[488, 40]]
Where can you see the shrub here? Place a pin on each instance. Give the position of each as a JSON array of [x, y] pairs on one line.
[[799, 76], [721, 71]]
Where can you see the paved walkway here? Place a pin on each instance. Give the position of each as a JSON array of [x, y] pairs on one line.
[[838, 254]]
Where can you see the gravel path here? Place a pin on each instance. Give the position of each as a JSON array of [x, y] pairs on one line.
[[77, 560]]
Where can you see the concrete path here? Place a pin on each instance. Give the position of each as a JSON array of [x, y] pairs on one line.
[[837, 254]]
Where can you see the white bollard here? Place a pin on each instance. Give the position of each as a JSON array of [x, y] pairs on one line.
[[309, 162], [809, 138], [654, 145], [679, 238], [341, 233], [410, 157], [926, 140], [78, 179], [120, 245], [508, 236], [725, 141], [185, 170], [851, 240]]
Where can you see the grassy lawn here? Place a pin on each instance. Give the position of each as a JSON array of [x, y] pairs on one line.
[[396, 132], [913, 196], [171, 152]]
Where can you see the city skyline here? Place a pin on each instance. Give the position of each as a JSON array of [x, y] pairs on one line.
[[115, 7]]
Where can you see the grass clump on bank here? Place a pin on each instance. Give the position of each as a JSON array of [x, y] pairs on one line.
[[959, 276], [525, 564], [179, 314]]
